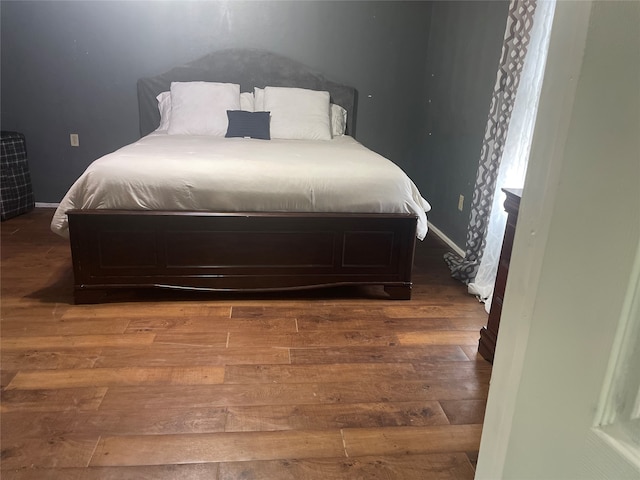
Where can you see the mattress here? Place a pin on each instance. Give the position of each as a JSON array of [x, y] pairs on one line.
[[206, 173]]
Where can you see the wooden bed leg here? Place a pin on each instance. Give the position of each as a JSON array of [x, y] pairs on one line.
[[398, 292]]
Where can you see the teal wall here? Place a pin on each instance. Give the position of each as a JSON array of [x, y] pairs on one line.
[[462, 56]]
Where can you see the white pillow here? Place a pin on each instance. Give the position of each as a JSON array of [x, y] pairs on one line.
[[298, 113], [258, 95], [200, 108], [338, 120], [164, 105], [247, 102]]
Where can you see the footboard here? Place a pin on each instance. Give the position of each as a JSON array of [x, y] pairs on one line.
[[114, 249]]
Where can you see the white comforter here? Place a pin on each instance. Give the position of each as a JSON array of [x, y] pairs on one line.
[[177, 172]]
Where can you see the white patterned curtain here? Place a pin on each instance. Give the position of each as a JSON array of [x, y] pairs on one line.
[[515, 157], [505, 148]]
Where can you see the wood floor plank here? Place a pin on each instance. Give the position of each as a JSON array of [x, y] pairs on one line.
[[160, 421], [472, 353], [216, 447], [137, 310], [77, 399], [50, 359], [339, 322], [18, 274], [5, 378], [478, 373], [29, 424], [378, 354], [411, 440], [426, 311], [335, 416], [159, 355], [201, 471], [463, 366], [439, 338], [469, 323], [293, 310], [60, 451], [216, 339], [274, 311], [202, 396], [323, 373], [314, 339], [36, 326], [104, 377], [191, 325], [72, 341], [454, 466], [359, 372], [461, 412], [15, 307]]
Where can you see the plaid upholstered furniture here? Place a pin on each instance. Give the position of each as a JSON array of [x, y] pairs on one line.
[[15, 185]]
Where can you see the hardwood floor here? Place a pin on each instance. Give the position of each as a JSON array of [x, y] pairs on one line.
[[334, 384]]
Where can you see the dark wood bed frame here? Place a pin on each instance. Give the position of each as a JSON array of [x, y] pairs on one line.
[[223, 251]]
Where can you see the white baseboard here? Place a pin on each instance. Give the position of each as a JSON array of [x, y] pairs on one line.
[[446, 240], [47, 205]]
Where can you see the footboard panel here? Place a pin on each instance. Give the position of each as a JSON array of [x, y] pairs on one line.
[[238, 251]]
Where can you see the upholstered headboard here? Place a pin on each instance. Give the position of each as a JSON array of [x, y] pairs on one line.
[[249, 68]]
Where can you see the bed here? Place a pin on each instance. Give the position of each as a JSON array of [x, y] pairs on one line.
[[187, 210]]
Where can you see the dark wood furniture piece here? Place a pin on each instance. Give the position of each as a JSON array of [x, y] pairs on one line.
[[221, 251], [489, 334], [238, 252]]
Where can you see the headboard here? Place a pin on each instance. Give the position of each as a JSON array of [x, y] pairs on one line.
[[249, 68]]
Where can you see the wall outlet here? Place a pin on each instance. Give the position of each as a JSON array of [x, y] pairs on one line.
[[461, 202], [74, 139]]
